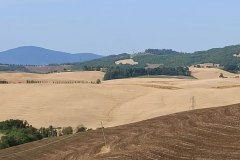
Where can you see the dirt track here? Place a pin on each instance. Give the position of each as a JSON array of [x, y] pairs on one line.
[[200, 134]]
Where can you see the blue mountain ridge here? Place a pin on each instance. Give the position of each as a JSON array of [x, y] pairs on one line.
[[31, 55]]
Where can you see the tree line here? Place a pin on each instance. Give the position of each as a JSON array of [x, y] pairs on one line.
[[13, 67], [63, 82], [127, 72], [161, 51], [16, 132], [3, 82], [98, 81]]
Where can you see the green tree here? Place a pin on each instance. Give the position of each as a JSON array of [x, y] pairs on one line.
[[80, 128], [98, 81], [67, 130]]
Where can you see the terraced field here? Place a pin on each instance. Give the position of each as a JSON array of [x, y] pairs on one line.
[[212, 133]]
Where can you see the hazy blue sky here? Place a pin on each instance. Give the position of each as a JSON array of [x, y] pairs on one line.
[[116, 26]]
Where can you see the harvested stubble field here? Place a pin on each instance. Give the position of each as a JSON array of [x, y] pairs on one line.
[[114, 102], [63, 76], [211, 133], [126, 61]]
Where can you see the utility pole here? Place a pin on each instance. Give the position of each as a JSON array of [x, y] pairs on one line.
[[105, 142], [192, 107]]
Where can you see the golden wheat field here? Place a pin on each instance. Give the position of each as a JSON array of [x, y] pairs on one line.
[[113, 102]]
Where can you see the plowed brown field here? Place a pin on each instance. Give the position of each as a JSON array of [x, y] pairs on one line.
[[211, 134]]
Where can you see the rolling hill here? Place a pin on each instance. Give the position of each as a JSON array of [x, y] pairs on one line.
[[31, 55], [115, 102], [223, 56], [169, 58], [107, 61], [211, 133]]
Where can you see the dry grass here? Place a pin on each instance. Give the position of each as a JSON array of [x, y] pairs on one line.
[[160, 86], [230, 86], [126, 61], [71, 76], [114, 102], [104, 150], [209, 73]]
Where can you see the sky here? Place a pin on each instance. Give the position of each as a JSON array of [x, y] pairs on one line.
[[118, 26]]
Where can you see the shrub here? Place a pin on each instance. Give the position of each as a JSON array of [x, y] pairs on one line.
[[81, 128], [221, 75], [67, 130], [98, 81]]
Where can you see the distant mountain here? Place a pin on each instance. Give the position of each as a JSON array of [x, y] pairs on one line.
[[31, 55]]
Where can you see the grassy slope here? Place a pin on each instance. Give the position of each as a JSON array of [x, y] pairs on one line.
[[103, 62], [223, 56]]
